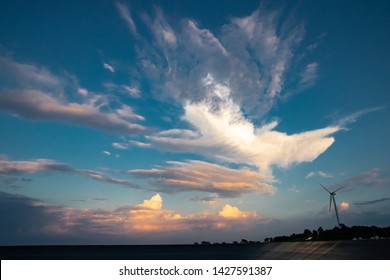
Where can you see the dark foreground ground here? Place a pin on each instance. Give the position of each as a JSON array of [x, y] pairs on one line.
[[317, 250]]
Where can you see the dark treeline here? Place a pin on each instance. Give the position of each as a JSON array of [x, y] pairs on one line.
[[337, 233]]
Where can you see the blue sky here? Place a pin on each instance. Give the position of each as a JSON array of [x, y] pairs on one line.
[[181, 121]]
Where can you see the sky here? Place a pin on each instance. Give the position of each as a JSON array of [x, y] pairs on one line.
[[165, 122]]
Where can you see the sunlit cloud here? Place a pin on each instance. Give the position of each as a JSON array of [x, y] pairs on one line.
[[38, 105], [222, 132], [146, 219], [343, 206], [232, 212], [10, 167], [205, 177], [36, 94]]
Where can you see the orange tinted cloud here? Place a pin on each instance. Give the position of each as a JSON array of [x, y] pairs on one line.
[[344, 206], [150, 216], [195, 175]]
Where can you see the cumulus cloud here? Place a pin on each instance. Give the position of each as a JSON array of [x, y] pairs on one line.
[[232, 212], [343, 206], [146, 219], [205, 177], [35, 93]]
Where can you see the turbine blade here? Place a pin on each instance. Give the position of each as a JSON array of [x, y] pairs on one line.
[[337, 213], [325, 188], [339, 189], [330, 203]]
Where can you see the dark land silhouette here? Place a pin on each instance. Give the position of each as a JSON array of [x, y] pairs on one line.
[[339, 243]]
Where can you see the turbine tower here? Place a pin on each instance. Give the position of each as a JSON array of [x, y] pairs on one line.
[[332, 194]]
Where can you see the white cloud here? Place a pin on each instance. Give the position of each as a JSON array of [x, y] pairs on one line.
[[205, 177], [353, 117], [119, 146], [82, 91], [132, 91], [252, 55], [139, 144], [154, 203], [124, 13], [107, 153], [223, 133], [318, 173], [109, 67]]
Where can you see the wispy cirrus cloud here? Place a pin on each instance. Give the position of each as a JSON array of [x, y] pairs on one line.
[[35, 93], [251, 54], [309, 75], [205, 177], [376, 177], [124, 13], [127, 90], [161, 29]]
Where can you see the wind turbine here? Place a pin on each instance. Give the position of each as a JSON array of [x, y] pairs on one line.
[[332, 194]]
